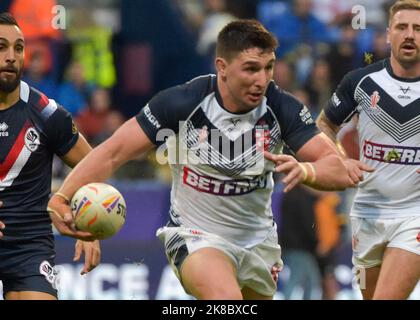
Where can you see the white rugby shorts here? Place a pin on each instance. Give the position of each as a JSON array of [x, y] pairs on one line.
[[370, 238], [253, 264]]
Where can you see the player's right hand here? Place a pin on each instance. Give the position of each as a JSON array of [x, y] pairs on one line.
[[355, 170], [2, 225], [63, 221]]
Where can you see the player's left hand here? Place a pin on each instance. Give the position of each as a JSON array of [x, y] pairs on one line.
[[92, 254], [289, 166], [418, 171]]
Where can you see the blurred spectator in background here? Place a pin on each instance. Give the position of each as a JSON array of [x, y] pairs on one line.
[[328, 226], [298, 241], [380, 48], [113, 121], [92, 120], [343, 56], [319, 86], [284, 75], [330, 11], [75, 92], [37, 76], [36, 21], [91, 46], [309, 233], [215, 19], [297, 26]]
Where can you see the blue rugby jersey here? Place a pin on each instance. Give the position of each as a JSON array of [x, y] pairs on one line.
[[31, 132]]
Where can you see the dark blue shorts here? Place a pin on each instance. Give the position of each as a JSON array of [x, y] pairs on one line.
[[28, 265]]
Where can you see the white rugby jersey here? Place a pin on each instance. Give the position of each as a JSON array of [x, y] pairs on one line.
[[389, 137], [221, 181]]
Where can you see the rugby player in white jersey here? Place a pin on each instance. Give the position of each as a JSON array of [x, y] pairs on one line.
[[385, 216], [221, 239]]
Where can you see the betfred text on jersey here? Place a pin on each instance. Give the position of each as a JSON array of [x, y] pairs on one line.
[[391, 154], [222, 187]]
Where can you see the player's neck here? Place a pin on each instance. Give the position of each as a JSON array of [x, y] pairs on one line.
[[405, 71], [228, 101], [8, 99]]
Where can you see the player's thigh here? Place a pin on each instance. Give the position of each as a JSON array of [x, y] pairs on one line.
[[367, 279], [209, 273], [29, 295], [399, 274], [249, 294]]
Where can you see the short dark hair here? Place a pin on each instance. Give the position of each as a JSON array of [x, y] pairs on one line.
[[403, 5], [240, 35], [7, 19]]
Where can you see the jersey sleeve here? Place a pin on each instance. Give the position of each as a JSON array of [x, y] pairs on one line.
[[161, 117], [158, 118], [342, 104], [62, 132], [297, 125]]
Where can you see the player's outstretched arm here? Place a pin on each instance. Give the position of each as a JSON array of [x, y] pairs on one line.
[[321, 166], [355, 168], [90, 249], [128, 142], [71, 158]]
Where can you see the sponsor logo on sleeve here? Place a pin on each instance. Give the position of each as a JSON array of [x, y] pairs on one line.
[[151, 117], [391, 154], [335, 100], [305, 115]]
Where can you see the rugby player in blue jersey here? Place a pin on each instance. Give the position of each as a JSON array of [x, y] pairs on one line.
[[32, 129]]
